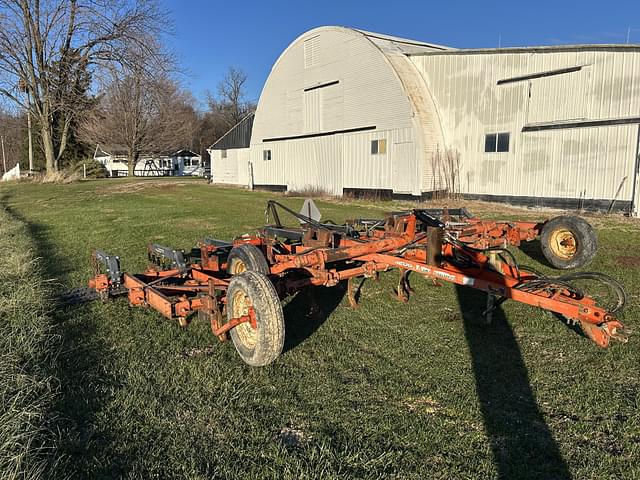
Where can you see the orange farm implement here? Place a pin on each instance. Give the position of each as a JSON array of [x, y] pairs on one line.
[[238, 287]]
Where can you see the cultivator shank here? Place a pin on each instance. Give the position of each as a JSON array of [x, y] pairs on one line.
[[237, 287]]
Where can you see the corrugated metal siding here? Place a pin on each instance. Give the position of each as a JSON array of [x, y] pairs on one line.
[[371, 93], [377, 171], [244, 168], [311, 52], [312, 111], [224, 170], [576, 163], [232, 169], [333, 107], [339, 161], [368, 93], [562, 97], [319, 164], [238, 137], [429, 137], [573, 163]]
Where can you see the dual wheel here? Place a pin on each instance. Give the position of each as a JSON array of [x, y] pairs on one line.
[[251, 294]]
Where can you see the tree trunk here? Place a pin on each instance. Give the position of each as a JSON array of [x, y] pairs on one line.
[[132, 160], [49, 155]]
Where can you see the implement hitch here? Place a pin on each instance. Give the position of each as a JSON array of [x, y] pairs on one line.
[[238, 286]]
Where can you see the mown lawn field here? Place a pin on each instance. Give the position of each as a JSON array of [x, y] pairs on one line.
[[415, 391]]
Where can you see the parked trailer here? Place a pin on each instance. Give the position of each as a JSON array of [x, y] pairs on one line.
[[238, 286]]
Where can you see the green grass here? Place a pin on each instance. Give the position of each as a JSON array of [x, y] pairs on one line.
[[421, 390], [27, 353]]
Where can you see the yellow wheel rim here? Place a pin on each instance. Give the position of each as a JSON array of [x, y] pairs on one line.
[[563, 243], [237, 267], [247, 335]]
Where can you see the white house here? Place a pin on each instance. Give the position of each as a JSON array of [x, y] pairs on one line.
[[344, 110], [182, 162]]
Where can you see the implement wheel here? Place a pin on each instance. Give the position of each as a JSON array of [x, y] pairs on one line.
[[259, 341], [568, 242], [246, 257]]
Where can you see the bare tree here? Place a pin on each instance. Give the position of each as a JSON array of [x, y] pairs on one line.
[[49, 49], [231, 92], [231, 106], [142, 113], [13, 133]]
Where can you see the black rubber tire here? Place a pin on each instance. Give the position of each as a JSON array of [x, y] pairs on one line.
[[585, 240], [246, 257], [262, 345]]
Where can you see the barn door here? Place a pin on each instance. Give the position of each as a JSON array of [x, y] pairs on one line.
[[312, 111], [403, 161]]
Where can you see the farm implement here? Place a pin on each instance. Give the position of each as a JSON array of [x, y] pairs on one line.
[[238, 286]]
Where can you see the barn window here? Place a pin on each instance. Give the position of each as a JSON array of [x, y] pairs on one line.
[[223, 154], [496, 142], [379, 147], [266, 155], [187, 161]]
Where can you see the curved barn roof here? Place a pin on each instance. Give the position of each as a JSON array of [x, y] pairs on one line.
[[393, 51], [342, 82], [386, 43]]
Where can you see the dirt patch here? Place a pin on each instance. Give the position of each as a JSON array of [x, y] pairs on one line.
[[451, 315], [422, 405], [134, 187], [628, 261], [292, 437]]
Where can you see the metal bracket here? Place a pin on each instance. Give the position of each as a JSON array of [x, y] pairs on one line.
[[166, 257], [111, 264], [221, 244]]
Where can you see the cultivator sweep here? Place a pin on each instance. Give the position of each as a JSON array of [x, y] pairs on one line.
[[238, 286]]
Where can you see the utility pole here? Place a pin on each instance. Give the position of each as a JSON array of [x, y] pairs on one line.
[[4, 159]]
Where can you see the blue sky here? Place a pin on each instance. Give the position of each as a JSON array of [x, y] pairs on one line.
[[212, 35]]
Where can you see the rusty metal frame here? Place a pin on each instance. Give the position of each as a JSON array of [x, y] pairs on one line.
[[399, 244]]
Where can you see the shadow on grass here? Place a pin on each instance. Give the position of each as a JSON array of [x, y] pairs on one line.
[[80, 364], [533, 250], [308, 310], [522, 443]]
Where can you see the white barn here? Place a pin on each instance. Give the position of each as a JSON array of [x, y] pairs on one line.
[[345, 110]]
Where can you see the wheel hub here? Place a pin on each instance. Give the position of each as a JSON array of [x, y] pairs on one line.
[[247, 332], [563, 243], [238, 267]]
